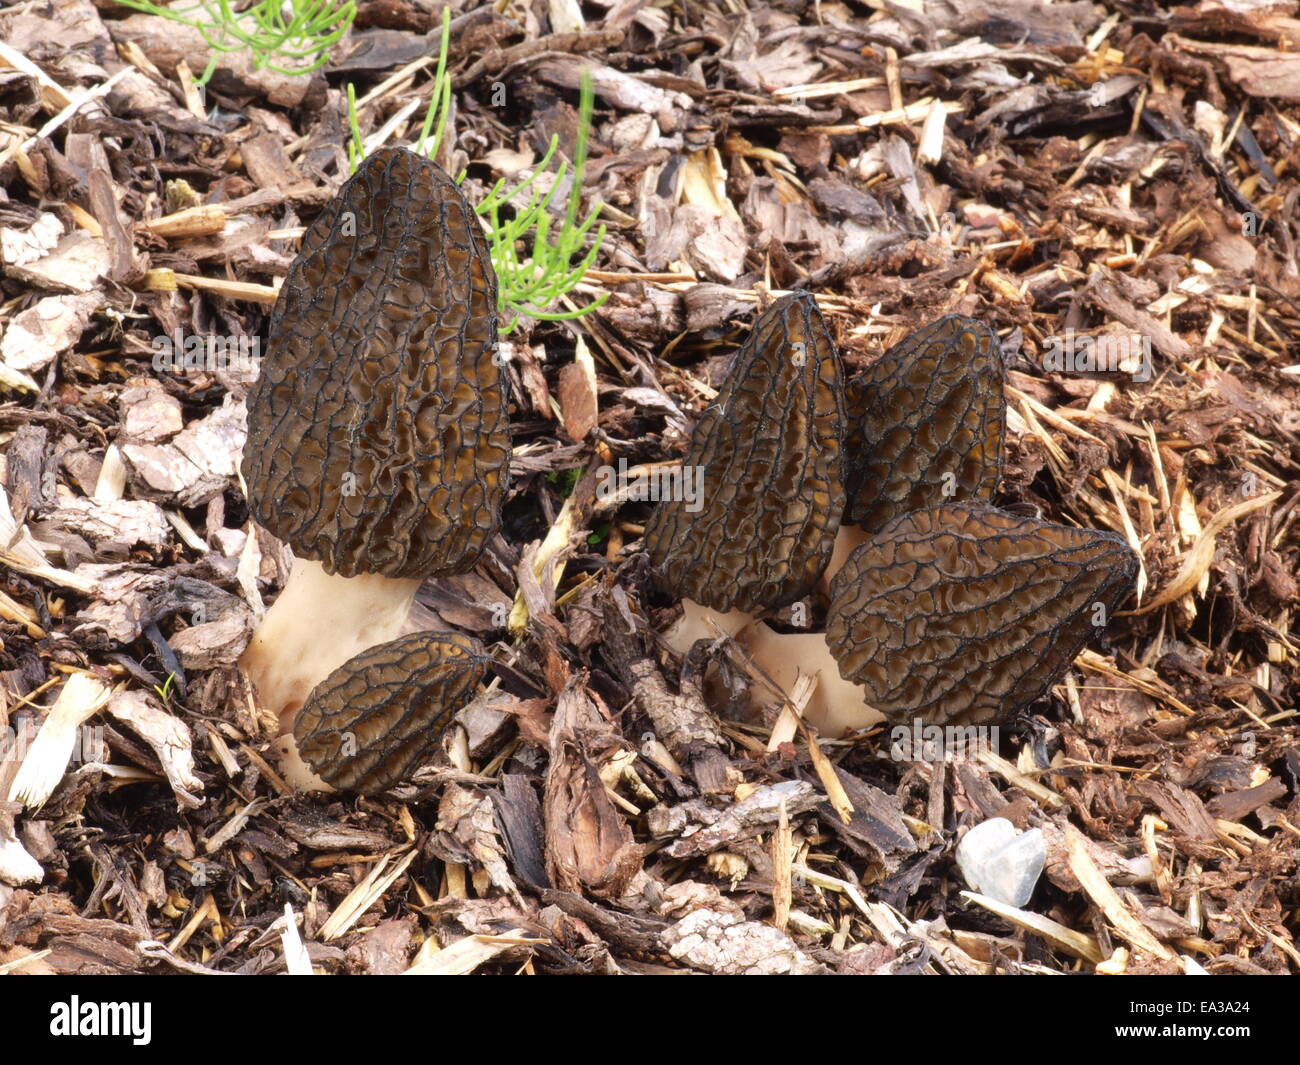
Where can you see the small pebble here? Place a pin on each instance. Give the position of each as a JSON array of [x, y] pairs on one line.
[[998, 862]]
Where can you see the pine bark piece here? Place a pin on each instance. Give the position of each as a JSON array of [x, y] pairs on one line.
[[579, 405], [771, 484], [376, 717], [377, 432], [682, 721], [590, 847], [964, 614], [925, 423]]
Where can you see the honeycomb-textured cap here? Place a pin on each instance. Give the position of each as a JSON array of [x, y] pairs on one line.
[[378, 436], [925, 423], [769, 456], [372, 721], [964, 614]]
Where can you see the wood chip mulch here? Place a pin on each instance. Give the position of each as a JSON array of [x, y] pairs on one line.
[[1045, 168]]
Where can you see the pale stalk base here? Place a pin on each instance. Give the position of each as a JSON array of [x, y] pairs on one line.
[[700, 623], [297, 773], [836, 706], [318, 623]]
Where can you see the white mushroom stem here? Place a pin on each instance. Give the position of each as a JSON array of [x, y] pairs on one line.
[[319, 622], [836, 706], [701, 623], [297, 773]]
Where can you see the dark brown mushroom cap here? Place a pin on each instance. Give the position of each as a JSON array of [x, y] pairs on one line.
[[378, 438], [964, 614], [376, 717], [925, 423], [772, 487]]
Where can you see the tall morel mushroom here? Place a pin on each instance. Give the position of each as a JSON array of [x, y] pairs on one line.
[[926, 423], [772, 483], [964, 614], [378, 441]]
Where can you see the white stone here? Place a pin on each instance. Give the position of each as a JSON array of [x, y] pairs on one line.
[[1001, 863]]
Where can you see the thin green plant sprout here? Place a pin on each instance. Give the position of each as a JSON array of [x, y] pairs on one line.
[[439, 107], [440, 100], [165, 691], [530, 284], [300, 32]]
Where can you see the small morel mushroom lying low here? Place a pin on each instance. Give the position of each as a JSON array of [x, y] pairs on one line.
[[378, 440], [925, 426], [376, 717], [772, 482], [964, 614]]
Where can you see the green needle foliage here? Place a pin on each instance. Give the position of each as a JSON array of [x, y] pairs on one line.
[[299, 32], [534, 282], [533, 257]]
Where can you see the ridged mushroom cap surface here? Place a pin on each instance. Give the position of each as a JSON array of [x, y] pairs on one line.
[[925, 423], [378, 438], [374, 719], [770, 457], [964, 614]]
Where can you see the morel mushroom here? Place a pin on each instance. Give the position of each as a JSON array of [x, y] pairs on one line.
[[964, 614], [771, 460], [376, 717], [925, 427], [378, 444]]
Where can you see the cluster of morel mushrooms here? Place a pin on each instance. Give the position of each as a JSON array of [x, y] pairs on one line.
[[379, 450]]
